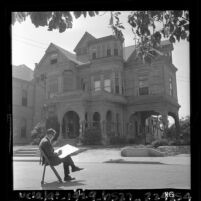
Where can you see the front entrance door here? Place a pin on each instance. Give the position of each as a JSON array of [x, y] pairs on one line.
[[70, 127]]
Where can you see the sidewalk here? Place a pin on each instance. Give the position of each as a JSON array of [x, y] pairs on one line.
[[109, 155]]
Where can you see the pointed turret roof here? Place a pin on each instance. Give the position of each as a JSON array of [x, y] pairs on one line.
[[84, 37]]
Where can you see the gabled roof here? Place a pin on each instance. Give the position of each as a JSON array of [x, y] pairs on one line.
[[128, 51], [67, 54], [105, 38], [22, 72], [85, 36]]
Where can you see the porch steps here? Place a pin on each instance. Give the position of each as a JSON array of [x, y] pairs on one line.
[[34, 151], [28, 152]]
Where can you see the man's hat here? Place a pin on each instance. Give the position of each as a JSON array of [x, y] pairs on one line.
[[51, 131]]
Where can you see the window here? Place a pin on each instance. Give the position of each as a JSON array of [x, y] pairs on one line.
[[53, 59], [97, 85], [143, 91], [103, 50], [24, 97], [143, 86], [117, 89], [94, 55], [94, 52], [52, 87], [83, 84], [170, 87], [107, 85], [23, 128]]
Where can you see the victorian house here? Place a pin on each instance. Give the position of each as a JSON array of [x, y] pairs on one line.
[[107, 86]]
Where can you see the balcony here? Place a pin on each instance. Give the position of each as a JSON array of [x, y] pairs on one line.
[[106, 96], [70, 96], [150, 99]]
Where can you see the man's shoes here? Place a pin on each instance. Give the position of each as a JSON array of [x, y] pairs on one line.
[[68, 178], [75, 168]]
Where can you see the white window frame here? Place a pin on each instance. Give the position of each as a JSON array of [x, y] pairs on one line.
[[97, 88], [107, 85]]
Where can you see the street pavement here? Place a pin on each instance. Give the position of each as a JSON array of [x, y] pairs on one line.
[[104, 169]]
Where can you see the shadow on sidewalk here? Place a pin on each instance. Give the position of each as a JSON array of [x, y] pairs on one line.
[[58, 186]]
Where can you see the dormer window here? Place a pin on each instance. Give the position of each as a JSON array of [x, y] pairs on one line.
[[53, 59]]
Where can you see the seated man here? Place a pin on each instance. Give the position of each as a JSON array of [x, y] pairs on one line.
[[45, 145]]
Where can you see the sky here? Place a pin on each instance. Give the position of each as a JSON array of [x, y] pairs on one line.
[[29, 44]]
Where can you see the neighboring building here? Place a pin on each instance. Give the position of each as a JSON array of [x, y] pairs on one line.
[[23, 92], [104, 85]]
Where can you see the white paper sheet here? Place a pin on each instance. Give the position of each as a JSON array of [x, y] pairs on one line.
[[66, 150]]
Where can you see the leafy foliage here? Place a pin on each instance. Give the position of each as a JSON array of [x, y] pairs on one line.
[[37, 133], [92, 136], [148, 27], [53, 20], [157, 143], [118, 140], [184, 136]]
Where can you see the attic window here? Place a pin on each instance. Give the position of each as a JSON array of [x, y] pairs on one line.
[[53, 59]]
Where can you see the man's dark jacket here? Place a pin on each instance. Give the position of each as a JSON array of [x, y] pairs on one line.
[[47, 148]]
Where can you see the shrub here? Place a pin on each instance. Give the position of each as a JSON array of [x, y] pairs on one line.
[[37, 134], [92, 136], [157, 143], [131, 141], [118, 140]]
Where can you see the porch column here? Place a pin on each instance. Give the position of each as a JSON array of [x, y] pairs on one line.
[[81, 129], [177, 125], [103, 127], [165, 121], [60, 120]]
